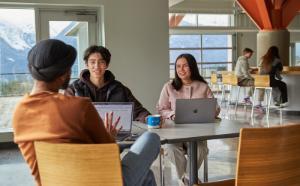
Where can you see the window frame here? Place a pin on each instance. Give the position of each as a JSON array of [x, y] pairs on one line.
[[201, 63], [37, 9], [196, 24], [6, 127]]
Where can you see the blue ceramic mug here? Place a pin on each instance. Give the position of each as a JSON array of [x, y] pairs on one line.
[[153, 121]]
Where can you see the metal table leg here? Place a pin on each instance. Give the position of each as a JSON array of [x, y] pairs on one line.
[[192, 152], [205, 169], [161, 167]]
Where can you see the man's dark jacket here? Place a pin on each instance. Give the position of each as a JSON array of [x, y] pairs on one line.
[[112, 91]]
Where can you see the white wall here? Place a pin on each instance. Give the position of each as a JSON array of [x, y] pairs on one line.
[[137, 35], [136, 32], [247, 40]]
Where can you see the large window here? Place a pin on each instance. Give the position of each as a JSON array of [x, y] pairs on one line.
[[297, 55], [212, 52], [17, 36], [202, 20], [62, 30]]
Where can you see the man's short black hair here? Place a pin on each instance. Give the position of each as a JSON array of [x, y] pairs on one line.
[[97, 49], [248, 50]]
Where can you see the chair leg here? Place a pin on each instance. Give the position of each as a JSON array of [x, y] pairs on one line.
[[237, 99], [267, 96], [161, 167], [245, 93], [229, 97], [222, 93], [205, 169], [269, 102], [217, 91], [254, 98], [220, 88]]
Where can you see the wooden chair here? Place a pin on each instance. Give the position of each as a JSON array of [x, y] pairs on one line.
[[78, 164], [230, 80], [213, 78], [267, 157], [262, 82], [214, 83], [233, 82], [226, 77], [288, 68]]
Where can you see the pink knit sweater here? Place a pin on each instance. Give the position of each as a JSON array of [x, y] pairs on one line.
[[168, 96]]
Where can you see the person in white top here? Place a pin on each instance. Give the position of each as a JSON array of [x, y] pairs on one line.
[[242, 71]]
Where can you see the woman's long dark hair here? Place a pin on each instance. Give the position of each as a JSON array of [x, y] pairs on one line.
[[195, 75], [268, 58]]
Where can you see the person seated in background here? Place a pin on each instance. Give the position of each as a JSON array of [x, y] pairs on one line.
[[242, 71], [187, 84], [271, 64], [100, 85], [46, 115]]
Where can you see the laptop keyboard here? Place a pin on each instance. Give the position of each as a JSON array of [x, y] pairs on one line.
[[135, 133], [123, 136]]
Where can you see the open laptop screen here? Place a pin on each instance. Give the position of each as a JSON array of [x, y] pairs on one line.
[[122, 109]]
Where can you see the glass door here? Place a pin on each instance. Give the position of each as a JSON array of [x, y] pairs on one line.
[[76, 28]]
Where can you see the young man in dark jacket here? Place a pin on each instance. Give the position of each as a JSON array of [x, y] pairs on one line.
[[100, 85], [46, 115]]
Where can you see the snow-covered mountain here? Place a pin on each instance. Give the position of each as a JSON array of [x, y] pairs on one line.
[[19, 38], [15, 43]]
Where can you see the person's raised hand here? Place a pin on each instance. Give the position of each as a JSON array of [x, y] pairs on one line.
[[111, 127]]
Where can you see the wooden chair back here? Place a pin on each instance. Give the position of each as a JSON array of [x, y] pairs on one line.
[[269, 156], [261, 80], [226, 77], [233, 79], [213, 78], [78, 164]]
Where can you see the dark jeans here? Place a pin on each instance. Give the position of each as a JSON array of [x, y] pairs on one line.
[[282, 87]]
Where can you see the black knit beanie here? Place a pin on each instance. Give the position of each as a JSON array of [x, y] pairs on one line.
[[49, 59]]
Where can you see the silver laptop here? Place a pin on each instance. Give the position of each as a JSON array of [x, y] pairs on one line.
[[201, 110], [122, 109]]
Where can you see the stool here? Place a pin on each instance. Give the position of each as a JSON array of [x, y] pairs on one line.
[[262, 82], [214, 82], [225, 83], [234, 83]]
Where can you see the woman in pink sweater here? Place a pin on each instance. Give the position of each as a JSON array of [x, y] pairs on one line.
[[187, 84]]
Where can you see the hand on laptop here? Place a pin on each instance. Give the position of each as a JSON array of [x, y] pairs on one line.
[[111, 126]]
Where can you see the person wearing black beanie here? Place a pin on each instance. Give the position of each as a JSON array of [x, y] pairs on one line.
[[47, 115], [50, 59]]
